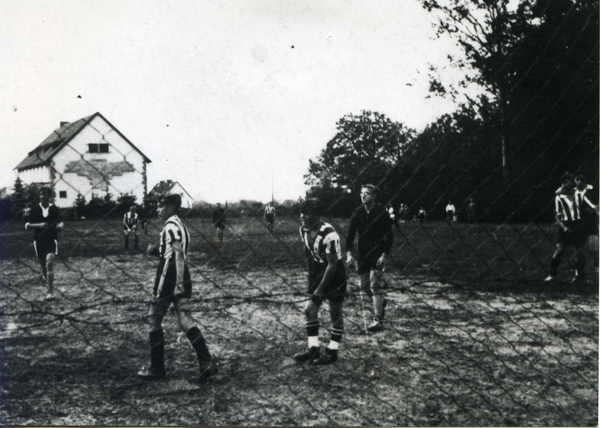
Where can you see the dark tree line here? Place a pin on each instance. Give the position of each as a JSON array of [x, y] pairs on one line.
[[535, 118]]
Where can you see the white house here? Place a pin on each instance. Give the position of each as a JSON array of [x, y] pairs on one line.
[[167, 187], [89, 157]]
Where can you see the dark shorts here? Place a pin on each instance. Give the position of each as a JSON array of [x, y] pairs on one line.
[[576, 235], [589, 225], [336, 291], [219, 225], [367, 261], [43, 247], [164, 284], [270, 218]]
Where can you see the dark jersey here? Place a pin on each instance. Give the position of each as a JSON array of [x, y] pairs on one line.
[[51, 215], [374, 231]]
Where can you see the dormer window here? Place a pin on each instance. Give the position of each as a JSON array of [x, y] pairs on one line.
[[98, 148]]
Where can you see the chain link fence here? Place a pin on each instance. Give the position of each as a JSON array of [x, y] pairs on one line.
[[472, 334]]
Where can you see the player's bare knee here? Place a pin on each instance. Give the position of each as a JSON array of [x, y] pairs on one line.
[[310, 311]]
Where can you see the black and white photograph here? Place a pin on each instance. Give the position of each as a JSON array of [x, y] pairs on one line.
[[312, 213]]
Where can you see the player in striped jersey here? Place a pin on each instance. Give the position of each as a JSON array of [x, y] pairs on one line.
[[326, 280], [130, 222], [570, 230], [173, 285]]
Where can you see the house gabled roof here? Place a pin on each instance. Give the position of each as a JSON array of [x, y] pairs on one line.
[[165, 187], [54, 143]]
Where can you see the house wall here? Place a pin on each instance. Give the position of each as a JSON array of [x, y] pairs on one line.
[[120, 171], [35, 175], [186, 200]]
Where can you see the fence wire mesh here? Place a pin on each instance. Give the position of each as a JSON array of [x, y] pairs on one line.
[[472, 334]]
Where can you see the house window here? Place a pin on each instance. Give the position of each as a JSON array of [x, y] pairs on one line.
[[62, 194], [98, 148]]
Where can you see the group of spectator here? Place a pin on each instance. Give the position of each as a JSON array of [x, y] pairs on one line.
[[401, 215]]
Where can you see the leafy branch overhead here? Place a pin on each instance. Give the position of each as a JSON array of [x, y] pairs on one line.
[[526, 111]]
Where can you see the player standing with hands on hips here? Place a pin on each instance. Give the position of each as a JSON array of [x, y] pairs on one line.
[[173, 285], [44, 219], [375, 239], [326, 281]]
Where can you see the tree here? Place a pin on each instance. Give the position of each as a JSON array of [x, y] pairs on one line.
[[537, 64], [365, 149], [487, 32], [19, 198]]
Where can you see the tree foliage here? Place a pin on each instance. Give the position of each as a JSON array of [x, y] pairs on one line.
[[364, 150], [535, 118]]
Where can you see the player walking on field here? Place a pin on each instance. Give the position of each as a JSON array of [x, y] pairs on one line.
[[326, 281], [44, 219], [375, 239], [130, 222], [270, 216], [173, 285], [570, 228]]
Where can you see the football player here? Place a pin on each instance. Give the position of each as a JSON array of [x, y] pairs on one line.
[[326, 281], [44, 219], [173, 285]]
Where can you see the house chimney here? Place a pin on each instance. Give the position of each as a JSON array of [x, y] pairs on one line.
[[63, 124]]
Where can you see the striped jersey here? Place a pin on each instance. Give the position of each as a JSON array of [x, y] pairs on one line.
[[325, 242], [174, 230], [582, 200], [570, 210], [130, 219]]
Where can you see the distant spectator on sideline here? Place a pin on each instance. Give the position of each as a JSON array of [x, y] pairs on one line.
[[421, 215], [130, 223], [45, 221], [375, 239], [570, 229], [393, 216], [450, 211], [270, 216], [219, 221], [403, 213], [471, 211]]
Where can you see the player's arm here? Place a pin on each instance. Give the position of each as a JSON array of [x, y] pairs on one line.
[[125, 223], [57, 222], [179, 266], [388, 240], [558, 214], [327, 277], [350, 241], [30, 226]]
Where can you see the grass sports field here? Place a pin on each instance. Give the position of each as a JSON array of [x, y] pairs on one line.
[[473, 336]]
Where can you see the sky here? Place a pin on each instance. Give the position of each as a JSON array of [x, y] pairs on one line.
[[229, 98]]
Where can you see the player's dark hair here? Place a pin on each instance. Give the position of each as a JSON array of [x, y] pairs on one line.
[[172, 200], [372, 188], [566, 177], [46, 191], [311, 206]]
